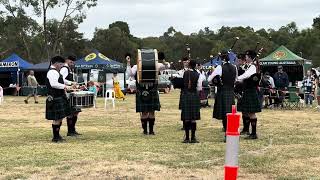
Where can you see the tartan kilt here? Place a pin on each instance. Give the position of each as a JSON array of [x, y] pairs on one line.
[[224, 99], [147, 104], [190, 106], [249, 102], [58, 108]]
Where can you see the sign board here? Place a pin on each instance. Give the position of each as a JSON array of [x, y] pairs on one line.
[[9, 64], [276, 63], [99, 66]]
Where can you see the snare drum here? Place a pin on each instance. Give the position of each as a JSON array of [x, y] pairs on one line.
[[84, 99], [147, 66]]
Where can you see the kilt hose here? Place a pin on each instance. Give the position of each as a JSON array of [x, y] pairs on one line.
[[147, 100], [224, 100], [190, 106], [249, 102], [57, 108], [180, 99]]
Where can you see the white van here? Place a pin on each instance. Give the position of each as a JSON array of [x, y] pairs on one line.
[[169, 73]]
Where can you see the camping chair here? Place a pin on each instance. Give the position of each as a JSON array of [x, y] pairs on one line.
[[293, 101]]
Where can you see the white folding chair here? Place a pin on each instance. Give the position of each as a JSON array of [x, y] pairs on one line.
[[110, 95]]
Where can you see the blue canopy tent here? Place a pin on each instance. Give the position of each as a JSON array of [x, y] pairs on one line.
[[14, 65], [41, 67], [217, 60]]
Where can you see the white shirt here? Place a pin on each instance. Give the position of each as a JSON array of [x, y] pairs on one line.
[[64, 71], [53, 77], [181, 72], [217, 71], [271, 81], [249, 72], [132, 71]]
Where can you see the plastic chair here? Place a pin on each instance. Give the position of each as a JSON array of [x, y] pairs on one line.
[[293, 101], [110, 95], [1, 95]]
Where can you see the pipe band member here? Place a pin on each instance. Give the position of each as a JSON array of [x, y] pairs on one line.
[[190, 102], [68, 77], [239, 87], [185, 62], [224, 98], [249, 104], [57, 105], [147, 98]]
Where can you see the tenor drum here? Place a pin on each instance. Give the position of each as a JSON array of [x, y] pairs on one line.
[[147, 66], [84, 99]]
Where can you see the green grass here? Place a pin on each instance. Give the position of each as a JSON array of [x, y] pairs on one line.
[[112, 145]]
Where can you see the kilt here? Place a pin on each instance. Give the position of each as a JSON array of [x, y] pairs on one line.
[[224, 100], [57, 108], [147, 103], [190, 106], [250, 102]]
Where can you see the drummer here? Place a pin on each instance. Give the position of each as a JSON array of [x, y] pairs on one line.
[[68, 77], [57, 106], [147, 100]]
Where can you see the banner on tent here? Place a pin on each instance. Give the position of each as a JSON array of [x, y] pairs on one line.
[[9, 64], [275, 63], [98, 66]]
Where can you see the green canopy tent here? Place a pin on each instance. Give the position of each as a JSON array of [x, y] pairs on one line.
[[294, 65]]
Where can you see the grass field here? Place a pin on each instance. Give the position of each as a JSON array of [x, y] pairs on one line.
[[113, 147]]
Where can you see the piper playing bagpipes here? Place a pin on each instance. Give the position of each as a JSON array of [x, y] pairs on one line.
[[249, 103]]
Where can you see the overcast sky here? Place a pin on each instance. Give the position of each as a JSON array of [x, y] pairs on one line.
[[153, 17]]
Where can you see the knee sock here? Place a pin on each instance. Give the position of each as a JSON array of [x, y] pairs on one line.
[[254, 126], [144, 125], [187, 129], [224, 124], [193, 130], [74, 122], [151, 124], [55, 131], [70, 124]]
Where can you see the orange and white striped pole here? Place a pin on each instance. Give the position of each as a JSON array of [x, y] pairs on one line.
[[232, 145]]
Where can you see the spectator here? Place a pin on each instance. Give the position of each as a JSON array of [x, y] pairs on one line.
[[33, 84], [309, 87], [281, 82], [267, 85]]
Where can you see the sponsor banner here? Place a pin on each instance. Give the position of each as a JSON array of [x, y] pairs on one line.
[[9, 64]]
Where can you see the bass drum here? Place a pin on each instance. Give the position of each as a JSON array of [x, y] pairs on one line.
[[147, 61]]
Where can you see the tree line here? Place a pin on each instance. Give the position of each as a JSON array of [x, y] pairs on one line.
[[37, 41]]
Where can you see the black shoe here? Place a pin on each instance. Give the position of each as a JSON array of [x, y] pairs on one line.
[[194, 141], [25, 101], [145, 132], [244, 132], [55, 140], [76, 133], [71, 134], [36, 102], [252, 136], [182, 129], [61, 138], [186, 141], [152, 133]]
